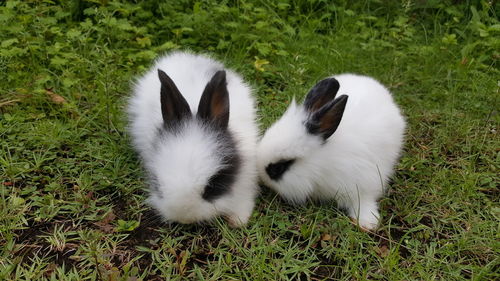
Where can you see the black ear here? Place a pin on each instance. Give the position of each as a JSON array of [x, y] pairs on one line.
[[214, 102], [321, 94], [326, 120], [174, 107]]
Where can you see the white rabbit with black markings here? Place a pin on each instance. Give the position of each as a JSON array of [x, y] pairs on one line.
[[342, 148], [192, 122]]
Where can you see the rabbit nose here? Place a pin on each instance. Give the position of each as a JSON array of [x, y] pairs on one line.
[[276, 170]]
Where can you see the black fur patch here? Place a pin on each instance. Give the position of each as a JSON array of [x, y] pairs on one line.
[[220, 183], [276, 170], [214, 102], [322, 93], [325, 121], [174, 107]]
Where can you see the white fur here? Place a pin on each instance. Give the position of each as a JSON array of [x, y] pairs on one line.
[[355, 163], [181, 165]]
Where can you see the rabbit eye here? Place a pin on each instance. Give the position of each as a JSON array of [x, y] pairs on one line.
[[276, 170]]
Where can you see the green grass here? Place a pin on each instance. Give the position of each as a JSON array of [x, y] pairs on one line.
[[72, 190]]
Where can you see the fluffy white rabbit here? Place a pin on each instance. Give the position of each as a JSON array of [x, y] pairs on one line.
[[342, 148], [193, 123]]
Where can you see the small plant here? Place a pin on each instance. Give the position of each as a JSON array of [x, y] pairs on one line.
[[124, 226]]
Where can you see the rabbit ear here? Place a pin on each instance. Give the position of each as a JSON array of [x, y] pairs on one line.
[[326, 120], [214, 102], [321, 94], [174, 107]]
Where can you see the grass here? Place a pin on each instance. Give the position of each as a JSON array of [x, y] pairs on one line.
[[72, 190]]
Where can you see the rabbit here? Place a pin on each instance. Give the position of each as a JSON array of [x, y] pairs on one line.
[[192, 122], [342, 148]]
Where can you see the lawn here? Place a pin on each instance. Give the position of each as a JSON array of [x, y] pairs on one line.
[[72, 190]]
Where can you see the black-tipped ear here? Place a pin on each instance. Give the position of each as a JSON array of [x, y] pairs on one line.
[[321, 94], [326, 120], [174, 107], [214, 102]]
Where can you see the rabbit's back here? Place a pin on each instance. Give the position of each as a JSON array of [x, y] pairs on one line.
[[370, 137]]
